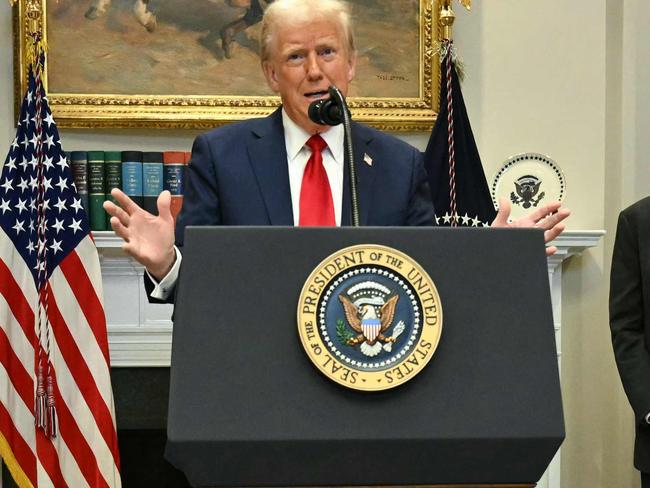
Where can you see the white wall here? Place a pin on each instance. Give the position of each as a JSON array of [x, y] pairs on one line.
[[538, 83], [566, 78], [570, 79]]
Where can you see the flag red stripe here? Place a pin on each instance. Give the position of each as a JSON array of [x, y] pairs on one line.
[[48, 458], [83, 378], [17, 302], [18, 375], [21, 450], [77, 443], [91, 306]]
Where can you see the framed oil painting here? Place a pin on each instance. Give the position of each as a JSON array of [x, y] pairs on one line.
[[195, 63]]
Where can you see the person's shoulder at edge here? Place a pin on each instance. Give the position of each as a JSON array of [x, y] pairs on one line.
[[642, 206]]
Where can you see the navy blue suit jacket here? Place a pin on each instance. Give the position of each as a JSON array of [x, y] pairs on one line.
[[238, 175]]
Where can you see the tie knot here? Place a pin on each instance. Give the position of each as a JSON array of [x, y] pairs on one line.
[[316, 143]]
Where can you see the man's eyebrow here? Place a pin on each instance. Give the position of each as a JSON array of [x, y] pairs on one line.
[[294, 45], [292, 48]]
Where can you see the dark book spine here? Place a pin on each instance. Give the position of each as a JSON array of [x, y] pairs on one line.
[[174, 178], [96, 190], [152, 180], [188, 156], [79, 168], [132, 175], [113, 175]]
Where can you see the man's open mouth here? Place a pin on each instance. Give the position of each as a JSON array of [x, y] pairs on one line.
[[317, 95]]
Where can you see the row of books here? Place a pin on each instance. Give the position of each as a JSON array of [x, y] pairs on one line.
[[141, 175]]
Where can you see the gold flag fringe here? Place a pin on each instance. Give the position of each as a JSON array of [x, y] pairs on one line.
[[459, 65]]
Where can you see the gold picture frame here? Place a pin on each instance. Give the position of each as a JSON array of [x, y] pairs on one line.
[[111, 78]]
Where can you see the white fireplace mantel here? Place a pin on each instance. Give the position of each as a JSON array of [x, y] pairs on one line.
[[568, 244]]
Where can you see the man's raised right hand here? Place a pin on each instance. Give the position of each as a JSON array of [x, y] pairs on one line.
[[148, 238]]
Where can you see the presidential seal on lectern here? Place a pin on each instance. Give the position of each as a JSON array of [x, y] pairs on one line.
[[369, 317]]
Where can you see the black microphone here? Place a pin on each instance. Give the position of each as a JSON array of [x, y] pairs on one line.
[[333, 111], [326, 111]]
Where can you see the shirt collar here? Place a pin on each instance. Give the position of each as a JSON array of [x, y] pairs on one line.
[[295, 138]]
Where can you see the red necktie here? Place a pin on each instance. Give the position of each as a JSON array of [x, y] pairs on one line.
[[316, 205]]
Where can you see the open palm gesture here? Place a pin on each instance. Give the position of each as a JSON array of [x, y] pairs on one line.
[[148, 238]]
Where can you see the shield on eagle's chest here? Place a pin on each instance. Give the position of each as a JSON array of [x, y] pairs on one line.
[[370, 328]]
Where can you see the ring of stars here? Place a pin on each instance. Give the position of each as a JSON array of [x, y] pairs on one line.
[[376, 362]]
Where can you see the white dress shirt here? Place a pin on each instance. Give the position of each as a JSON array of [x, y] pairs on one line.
[[295, 140]]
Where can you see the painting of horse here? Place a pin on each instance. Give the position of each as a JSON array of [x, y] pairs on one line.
[[210, 47]]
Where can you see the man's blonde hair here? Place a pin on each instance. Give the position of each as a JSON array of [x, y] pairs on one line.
[[284, 13]]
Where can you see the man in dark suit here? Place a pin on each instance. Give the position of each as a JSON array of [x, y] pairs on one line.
[[629, 319], [255, 172]]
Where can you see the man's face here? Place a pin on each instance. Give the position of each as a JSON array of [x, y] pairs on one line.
[[305, 60]]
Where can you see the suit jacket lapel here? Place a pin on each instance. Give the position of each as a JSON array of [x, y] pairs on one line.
[[268, 158], [365, 177]]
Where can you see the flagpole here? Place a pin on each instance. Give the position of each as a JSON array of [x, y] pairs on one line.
[[32, 22], [35, 30], [45, 405], [447, 17]]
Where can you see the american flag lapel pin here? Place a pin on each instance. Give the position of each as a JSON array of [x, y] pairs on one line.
[[367, 159]]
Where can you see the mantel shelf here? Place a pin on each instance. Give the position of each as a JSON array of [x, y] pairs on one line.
[[569, 243]]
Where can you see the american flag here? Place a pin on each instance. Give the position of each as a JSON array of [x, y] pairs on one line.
[[57, 418]]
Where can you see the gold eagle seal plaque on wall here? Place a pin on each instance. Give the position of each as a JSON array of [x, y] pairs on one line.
[[369, 317]]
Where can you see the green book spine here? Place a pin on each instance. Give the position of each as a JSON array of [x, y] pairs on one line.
[[113, 174], [96, 190]]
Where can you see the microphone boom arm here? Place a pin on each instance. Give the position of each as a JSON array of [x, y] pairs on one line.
[[347, 125]]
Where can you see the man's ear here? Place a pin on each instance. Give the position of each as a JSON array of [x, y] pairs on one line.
[[352, 66], [271, 76]]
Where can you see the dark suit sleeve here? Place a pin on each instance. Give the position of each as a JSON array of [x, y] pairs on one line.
[[626, 318], [201, 193], [200, 200], [420, 209]]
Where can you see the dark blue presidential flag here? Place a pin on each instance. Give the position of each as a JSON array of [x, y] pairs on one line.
[[457, 181], [57, 419]]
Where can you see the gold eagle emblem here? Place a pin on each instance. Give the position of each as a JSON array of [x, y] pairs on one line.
[[370, 322]]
